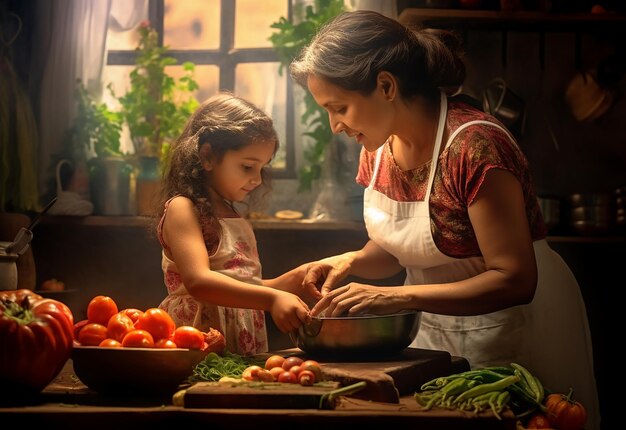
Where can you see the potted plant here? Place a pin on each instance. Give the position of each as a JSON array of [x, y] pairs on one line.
[[92, 144], [155, 108], [288, 41]]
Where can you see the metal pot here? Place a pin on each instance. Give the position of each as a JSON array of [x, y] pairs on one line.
[[11, 251], [359, 336], [8, 268]]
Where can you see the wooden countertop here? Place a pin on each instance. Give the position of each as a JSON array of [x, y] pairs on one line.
[[66, 403]]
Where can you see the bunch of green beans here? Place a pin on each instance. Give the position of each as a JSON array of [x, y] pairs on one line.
[[215, 366], [485, 388]]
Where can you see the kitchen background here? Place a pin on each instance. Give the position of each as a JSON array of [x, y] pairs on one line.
[[573, 134]]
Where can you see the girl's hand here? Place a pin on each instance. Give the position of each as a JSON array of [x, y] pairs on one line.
[[360, 299], [289, 311]]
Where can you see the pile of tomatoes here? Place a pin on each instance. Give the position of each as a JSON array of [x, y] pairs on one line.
[[107, 326], [292, 370]]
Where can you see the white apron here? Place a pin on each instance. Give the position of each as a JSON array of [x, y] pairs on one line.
[[550, 336]]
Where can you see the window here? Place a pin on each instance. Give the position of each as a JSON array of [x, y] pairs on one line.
[[228, 42]]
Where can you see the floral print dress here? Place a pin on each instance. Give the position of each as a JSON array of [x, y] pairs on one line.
[[234, 254]]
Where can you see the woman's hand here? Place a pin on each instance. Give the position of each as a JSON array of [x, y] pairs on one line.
[[359, 299], [326, 274], [289, 311]]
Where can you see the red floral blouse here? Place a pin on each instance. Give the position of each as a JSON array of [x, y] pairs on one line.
[[460, 173]]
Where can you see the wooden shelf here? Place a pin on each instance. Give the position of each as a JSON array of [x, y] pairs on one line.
[[276, 224], [512, 20]]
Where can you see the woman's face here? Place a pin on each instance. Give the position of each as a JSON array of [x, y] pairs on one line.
[[367, 118], [239, 172]]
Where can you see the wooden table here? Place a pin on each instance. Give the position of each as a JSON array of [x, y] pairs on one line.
[[66, 403]]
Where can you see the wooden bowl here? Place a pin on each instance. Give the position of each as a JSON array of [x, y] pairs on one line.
[[134, 371]]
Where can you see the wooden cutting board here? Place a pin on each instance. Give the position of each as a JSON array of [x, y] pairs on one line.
[[258, 396], [387, 379]]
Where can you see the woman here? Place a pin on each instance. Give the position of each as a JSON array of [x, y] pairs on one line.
[[449, 198]]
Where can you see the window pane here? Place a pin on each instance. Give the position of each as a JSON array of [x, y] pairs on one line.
[[192, 24], [207, 78], [253, 19], [118, 39], [261, 84]]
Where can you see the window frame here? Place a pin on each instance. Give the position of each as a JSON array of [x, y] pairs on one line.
[[225, 58]]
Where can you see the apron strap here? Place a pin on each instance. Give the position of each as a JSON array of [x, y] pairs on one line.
[[478, 121]]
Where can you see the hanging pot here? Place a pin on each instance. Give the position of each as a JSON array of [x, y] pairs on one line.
[[504, 104]]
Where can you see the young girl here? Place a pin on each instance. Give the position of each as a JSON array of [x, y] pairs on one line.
[[210, 262]]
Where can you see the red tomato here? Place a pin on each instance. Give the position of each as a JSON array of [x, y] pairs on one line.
[[79, 325], [295, 369], [133, 313], [158, 322], [274, 361], [36, 335], [292, 361], [165, 343], [100, 309], [275, 371], [92, 334], [187, 336], [119, 325], [288, 377], [138, 339], [110, 343]]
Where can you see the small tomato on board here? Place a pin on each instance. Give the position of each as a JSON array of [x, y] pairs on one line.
[[100, 309], [188, 337], [274, 361], [36, 335], [287, 377], [292, 361], [158, 322], [118, 325], [565, 413], [92, 334], [138, 339], [275, 371]]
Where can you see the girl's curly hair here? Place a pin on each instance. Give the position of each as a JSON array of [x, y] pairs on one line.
[[227, 123]]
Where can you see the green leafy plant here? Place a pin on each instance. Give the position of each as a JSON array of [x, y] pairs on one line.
[[95, 129], [157, 105], [288, 41]]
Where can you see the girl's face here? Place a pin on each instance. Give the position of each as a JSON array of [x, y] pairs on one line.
[[368, 118], [239, 172]]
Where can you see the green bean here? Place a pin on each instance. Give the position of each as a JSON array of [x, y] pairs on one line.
[[484, 388], [529, 379]]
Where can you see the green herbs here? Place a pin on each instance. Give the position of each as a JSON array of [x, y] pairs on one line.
[[289, 39], [157, 105], [478, 390], [215, 366]]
